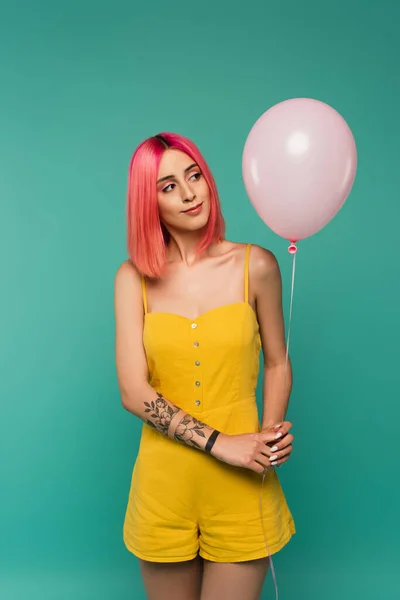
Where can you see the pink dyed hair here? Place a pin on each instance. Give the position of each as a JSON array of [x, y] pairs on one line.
[[147, 238]]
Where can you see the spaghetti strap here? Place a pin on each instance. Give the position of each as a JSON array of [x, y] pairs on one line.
[[246, 274], [144, 294]]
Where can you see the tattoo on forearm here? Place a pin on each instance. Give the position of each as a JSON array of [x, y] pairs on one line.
[[188, 429], [161, 414]]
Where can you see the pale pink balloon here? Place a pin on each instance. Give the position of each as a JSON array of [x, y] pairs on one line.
[[299, 165]]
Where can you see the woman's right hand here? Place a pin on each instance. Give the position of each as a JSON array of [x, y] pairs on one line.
[[248, 450]]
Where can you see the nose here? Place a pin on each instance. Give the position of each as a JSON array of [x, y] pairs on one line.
[[188, 194]]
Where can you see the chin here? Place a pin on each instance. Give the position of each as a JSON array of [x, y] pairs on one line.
[[198, 223], [191, 224]]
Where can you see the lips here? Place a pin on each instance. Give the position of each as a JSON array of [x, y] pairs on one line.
[[193, 208]]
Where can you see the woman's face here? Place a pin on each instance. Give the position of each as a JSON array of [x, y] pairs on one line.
[[182, 192]]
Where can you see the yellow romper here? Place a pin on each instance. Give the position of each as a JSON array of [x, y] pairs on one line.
[[183, 501]]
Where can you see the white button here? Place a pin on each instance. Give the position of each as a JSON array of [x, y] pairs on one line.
[[197, 403], [194, 325], [197, 383], [196, 344], [197, 363]]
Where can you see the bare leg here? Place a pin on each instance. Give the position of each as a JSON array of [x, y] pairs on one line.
[[236, 581], [177, 581]]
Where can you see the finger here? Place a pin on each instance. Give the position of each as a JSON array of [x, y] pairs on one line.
[[275, 455], [282, 443], [281, 461], [263, 459], [270, 436], [282, 425], [283, 430], [257, 463], [284, 452], [278, 456], [255, 466], [265, 449], [285, 427]]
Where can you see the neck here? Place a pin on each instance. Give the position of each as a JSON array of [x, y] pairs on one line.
[[182, 247]]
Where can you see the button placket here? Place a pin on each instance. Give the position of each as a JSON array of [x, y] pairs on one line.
[[196, 364]]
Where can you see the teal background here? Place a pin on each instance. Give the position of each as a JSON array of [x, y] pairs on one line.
[[82, 83]]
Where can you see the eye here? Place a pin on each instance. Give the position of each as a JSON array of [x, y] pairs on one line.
[[168, 188], [196, 176]]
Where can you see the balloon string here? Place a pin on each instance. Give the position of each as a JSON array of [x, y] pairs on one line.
[[290, 316], [285, 379], [265, 540]]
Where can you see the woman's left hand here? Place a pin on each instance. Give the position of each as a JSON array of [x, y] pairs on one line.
[[282, 448]]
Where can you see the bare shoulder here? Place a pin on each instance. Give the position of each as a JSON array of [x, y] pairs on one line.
[[127, 275], [262, 264], [127, 288]]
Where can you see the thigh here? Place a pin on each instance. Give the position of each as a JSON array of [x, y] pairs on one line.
[[180, 581], [236, 581]]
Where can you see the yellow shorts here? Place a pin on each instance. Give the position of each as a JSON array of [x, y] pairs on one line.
[[183, 502]]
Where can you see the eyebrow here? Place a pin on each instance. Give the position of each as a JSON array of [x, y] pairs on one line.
[[173, 176]]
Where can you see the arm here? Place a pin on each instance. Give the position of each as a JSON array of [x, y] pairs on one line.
[[265, 273], [138, 397]]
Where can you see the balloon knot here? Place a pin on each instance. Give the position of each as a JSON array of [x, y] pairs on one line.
[[292, 248]]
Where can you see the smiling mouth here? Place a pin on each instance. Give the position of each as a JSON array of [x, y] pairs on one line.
[[193, 208]]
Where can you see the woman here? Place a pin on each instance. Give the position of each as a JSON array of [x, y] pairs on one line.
[[192, 312]]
